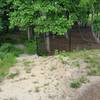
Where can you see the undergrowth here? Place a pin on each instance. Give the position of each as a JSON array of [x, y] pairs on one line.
[[78, 82], [8, 54]]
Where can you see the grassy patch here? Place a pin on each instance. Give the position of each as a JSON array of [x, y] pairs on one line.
[[8, 55], [77, 83], [91, 57], [76, 64], [93, 65], [30, 47], [12, 75], [10, 48], [27, 63], [6, 62]]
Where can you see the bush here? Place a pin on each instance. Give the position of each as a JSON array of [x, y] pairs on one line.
[[6, 47], [8, 53], [9, 48], [30, 47], [6, 61], [96, 23], [77, 83]]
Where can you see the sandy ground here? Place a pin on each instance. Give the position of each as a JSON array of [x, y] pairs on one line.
[[89, 91], [40, 78]]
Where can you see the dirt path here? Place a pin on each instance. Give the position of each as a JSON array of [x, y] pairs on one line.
[[39, 78]]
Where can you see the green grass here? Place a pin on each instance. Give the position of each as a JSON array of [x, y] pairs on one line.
[[30, 47], [8, 55], [93, 65], [78, 82], [10, 48], [12, 75], [91, 57], [6, 62]]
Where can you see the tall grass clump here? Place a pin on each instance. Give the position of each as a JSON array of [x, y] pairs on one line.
[[8, 53]]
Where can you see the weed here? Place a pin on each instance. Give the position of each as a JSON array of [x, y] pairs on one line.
[[93, 65], [27, 63], [76, 64], [90, 57], [77, 83], [94, 70], [9, 48], [37, 89], [30, 47], [53, 68], [6, 62], [12, 75], [0, 90], [27, 66]]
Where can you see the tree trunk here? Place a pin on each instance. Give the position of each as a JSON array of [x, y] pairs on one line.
[[29, 33], [66, 35], [48, 43]]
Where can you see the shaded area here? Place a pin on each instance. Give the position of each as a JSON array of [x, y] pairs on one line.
[[81, 38]]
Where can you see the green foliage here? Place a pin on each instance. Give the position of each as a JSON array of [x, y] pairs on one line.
[[10, 48], [8, 54], [1, 25], [7, 48], [77, 83], [96, 23], [91, 57], [94, 71], [6, 61], [57, 16], [4, 10], [46, 16], [30, 47], [12, 75], [93, 64]]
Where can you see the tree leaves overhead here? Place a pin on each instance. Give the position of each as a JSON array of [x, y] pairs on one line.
[[45, 15], [56, 16]]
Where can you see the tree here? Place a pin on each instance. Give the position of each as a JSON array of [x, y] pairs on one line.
[[90, 14], [1, 13], [4, 11], [46, 15]]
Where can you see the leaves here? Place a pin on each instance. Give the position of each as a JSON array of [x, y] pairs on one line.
[[56, 16], [46, 16]]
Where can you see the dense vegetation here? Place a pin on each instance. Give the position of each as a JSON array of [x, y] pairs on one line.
[[56, 16]]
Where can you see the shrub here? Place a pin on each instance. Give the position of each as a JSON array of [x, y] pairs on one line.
[[6, 47], [77, 83], [94, 70], [8, 55], [6, 61], [30, 47], [10, 48]]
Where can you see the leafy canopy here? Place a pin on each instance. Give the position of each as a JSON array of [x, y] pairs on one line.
[[46, 15], [56, 16]]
